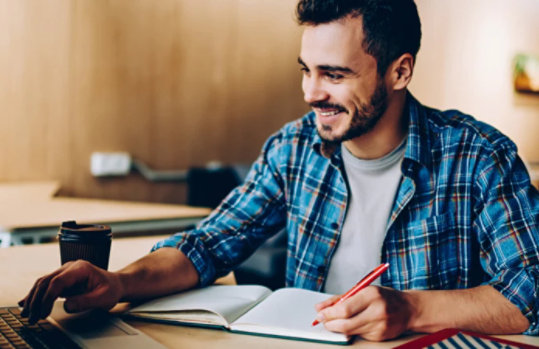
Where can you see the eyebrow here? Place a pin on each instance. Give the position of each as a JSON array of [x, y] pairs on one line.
[[330, 68]]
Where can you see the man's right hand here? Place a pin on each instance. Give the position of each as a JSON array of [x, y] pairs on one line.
[[84, 285]]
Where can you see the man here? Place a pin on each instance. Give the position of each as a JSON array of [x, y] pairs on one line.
[[369, 176]]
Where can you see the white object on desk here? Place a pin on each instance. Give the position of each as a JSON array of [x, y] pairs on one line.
[[110, 164]]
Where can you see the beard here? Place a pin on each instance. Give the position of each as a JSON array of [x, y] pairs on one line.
[[363, 120]]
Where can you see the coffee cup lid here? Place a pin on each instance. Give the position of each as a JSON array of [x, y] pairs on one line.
[[69, 227]]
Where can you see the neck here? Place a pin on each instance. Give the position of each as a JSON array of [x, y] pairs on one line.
[[386, 135]]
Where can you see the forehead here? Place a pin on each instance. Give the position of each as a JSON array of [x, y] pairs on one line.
[[335, 43]]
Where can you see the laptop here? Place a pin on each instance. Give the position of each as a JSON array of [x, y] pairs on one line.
[[89, 330]]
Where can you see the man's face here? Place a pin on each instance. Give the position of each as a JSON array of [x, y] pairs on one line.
[[340, 80]]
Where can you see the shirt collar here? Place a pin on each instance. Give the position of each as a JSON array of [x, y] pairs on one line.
[[418, 145]]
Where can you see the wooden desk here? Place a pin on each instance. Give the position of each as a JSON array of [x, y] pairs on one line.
[[22, 265], [31, 214]]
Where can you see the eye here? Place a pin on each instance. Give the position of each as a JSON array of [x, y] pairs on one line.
[[333, 76], [305, 71]]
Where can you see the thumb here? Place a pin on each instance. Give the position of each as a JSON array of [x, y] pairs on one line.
[[327, 303], [87, 301]]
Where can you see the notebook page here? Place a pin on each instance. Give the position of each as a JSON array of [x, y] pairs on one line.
[[227, 301], [287, 312]]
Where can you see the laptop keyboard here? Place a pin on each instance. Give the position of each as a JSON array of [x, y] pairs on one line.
[[16, 332]]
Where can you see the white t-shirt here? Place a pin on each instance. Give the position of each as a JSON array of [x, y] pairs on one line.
[[372, 187]]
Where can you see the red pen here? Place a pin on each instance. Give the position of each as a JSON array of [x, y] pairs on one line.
[[366, 281]]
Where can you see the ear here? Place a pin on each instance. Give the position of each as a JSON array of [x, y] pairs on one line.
[[399, 73]]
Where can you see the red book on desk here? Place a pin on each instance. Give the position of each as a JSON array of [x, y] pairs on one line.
[[453, 338]]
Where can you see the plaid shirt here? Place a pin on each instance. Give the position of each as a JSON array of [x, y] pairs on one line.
[[464, 215]]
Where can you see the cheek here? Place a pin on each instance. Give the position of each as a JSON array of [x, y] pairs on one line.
[[347, 95], [348, 100], [339, 95], [359, 101]]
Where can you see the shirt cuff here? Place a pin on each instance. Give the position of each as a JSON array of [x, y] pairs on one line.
[[519, 288]]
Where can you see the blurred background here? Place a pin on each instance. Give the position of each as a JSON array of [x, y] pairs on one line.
[[179, 84]]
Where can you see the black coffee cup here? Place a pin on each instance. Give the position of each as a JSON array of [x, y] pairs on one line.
[[85, 241]]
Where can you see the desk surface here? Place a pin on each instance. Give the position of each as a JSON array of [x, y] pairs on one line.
[[31, 205], [22, 265], [31, 214]]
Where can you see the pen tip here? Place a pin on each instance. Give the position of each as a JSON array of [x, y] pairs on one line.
[[315, 322]]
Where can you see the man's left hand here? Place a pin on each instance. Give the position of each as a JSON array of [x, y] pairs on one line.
[[375, 313]]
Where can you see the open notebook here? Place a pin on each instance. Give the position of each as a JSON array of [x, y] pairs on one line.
[[249, 309]]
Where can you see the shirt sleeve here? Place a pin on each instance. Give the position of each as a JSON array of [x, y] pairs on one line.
[[249, 215], [507, 208]]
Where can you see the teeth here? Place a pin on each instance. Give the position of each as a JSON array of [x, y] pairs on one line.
[[329, 113]]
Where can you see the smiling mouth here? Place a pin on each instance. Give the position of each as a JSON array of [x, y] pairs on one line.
[[330, 113], [326, 109]]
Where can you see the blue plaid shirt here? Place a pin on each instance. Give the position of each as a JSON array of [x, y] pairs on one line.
[[464, 215]]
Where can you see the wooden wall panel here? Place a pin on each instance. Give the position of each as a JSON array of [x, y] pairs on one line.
[[34, 42], [466, 62], [177, 83]]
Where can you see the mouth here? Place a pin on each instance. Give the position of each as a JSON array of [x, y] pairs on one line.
[[328, 115]]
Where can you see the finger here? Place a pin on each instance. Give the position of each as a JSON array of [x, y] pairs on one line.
[[21, 302], [26, 305], [27, 300], [35, 302], [361, 321], [365, 325], [380, 320], [349, 326], [346, 308], [62, 283], [93, 299], [47, 292], [328, 302]]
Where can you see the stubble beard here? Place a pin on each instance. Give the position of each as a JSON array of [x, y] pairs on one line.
[[363, 120]]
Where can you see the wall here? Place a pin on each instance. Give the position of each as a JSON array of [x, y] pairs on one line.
[[465, 62], [177, 83]]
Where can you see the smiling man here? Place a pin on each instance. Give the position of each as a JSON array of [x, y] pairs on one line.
[[350, 99], [369, 176]]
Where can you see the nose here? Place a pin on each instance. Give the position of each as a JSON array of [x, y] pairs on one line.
[[313, 91]]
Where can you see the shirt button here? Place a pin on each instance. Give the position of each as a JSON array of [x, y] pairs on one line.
[[334, 225]]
